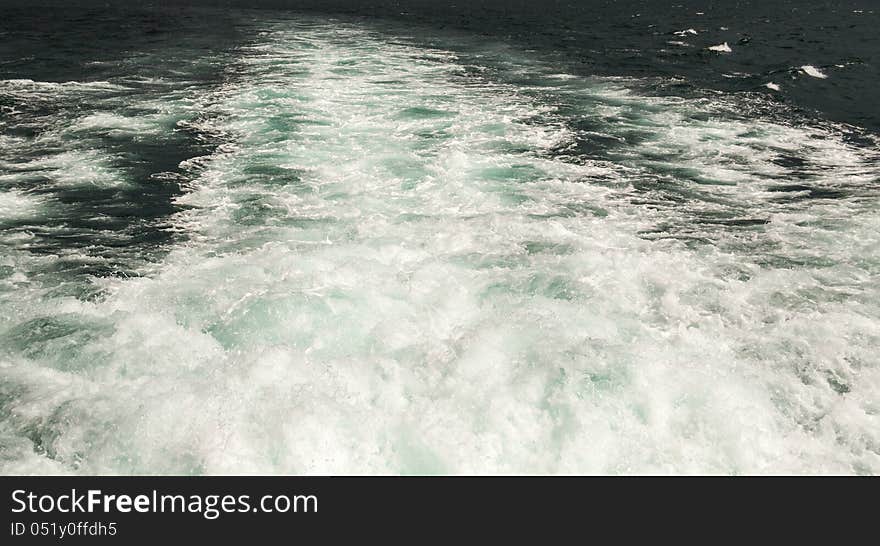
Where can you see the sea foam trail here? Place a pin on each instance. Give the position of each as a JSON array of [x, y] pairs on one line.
[[396, 264]]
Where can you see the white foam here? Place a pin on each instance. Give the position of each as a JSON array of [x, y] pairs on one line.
[[15, 204], [74, 168], [772, 86], [811, 70], [720, 48], [399, 278], [40, 86], [115, 124]]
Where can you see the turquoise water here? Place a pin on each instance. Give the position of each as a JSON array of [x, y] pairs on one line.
[[384, 251]]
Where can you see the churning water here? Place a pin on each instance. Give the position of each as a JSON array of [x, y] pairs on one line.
[[341, 245]]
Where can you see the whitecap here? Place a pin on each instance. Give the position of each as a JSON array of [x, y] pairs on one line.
[[16, 205], [113, 123], [720, 48], [811, 70], [98, 85]]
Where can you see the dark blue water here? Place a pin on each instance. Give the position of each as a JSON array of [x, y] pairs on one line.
[[770, 39]]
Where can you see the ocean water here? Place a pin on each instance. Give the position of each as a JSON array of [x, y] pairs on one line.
[[414, 239]]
